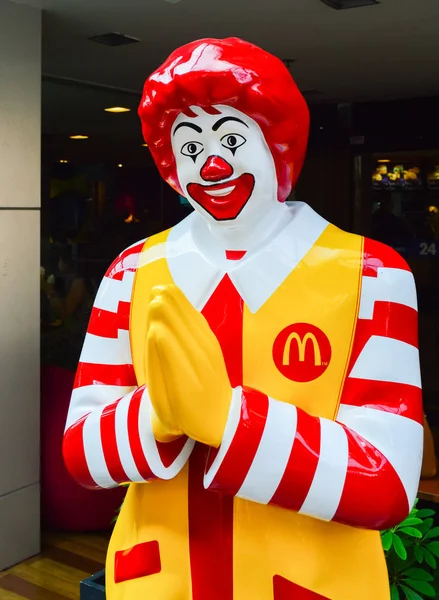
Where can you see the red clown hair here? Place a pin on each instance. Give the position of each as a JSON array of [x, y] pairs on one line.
[[235, 73]]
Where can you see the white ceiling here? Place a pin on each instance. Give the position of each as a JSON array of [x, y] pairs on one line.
[[373, 53]]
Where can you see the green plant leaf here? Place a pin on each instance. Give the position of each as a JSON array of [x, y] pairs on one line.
[[421, 574], [434, 548], [410, 594], [419, 554], [423, 513], [386, 540], [410, 521], [411, 531], [399, 547], [398, 565], [426, 525], [394, 593], [429, 558], [433, 533], [422, 587]]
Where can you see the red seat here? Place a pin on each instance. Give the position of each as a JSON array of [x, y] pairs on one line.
[[65, 505]]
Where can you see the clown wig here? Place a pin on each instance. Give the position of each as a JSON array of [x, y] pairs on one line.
[[235, 73]]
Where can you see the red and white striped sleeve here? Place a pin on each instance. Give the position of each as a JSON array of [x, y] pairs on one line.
[[108, 438], [362, 469]]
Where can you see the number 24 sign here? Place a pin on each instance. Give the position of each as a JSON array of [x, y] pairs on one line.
[[428, 249]]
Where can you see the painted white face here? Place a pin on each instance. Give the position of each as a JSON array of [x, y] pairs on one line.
[[224, 165]]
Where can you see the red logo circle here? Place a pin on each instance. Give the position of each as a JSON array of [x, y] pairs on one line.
[[302, 352]]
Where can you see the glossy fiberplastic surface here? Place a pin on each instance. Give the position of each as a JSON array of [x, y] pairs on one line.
[[252, 372]]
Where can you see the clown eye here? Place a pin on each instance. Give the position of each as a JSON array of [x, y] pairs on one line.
[[233, 141], [192, 149]]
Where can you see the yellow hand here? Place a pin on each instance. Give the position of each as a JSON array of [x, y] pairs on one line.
[[187, 377]]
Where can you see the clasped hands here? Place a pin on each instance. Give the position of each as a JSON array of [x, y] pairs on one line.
[[186, 374]]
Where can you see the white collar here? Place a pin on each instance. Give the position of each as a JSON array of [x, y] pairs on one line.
[[197, 270]]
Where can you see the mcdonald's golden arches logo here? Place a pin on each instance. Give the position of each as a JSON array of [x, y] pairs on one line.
[[302, 352]]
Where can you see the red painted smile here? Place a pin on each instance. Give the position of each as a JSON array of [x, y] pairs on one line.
[[224, 201]]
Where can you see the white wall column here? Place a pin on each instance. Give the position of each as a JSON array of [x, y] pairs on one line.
[[20, 140]]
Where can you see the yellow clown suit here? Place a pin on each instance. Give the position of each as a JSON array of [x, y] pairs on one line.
[[253, 372]]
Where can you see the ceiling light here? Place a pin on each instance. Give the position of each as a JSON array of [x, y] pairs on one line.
[[120, 165], [343, 4], [384, 160], [117, 109], [145, 145], [63, 161], [79, 137]]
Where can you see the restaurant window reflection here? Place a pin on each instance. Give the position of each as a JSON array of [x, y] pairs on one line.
[[405, 215], [93, 214]]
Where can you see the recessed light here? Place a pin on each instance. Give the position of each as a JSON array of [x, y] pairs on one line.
[[120, 165], [145, 145], [344, 4], [117, 109], [63, 161], [79, 137]]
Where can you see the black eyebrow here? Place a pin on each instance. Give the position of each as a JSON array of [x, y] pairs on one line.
[[186, 124], [224, 120]]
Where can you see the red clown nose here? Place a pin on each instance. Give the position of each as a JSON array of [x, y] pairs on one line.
[[215, 169]]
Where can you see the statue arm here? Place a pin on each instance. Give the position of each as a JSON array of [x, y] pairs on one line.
[[362, 469], [109, 437]]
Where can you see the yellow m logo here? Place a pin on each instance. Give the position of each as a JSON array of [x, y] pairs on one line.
[[301, 347]]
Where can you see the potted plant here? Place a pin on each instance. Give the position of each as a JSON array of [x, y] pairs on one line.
[[412, 550], [93, 588]]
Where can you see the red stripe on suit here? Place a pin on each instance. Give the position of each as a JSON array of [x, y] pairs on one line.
[[105, 323], [378, 255], [375, 502], [109, 444], [95, 374], [302, 464], [74, 455], [211, 515]]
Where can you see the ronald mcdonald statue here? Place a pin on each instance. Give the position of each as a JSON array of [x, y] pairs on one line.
[[253, 372]]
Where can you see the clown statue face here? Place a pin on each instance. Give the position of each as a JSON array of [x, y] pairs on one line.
[[233, 138], [253, 372], [225, 167]]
